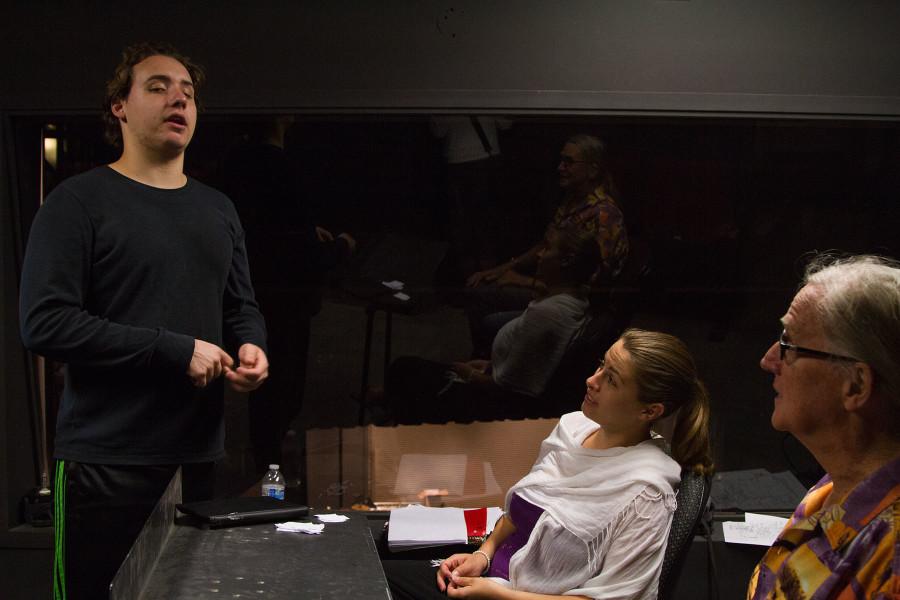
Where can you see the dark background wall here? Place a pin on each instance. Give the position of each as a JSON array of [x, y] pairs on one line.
[[802, 57], [705, 84]]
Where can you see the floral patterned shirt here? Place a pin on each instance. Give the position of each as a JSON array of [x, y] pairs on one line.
[[846, 550], [600, 215]]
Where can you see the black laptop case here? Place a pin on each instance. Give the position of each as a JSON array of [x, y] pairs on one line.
[[244, 510]]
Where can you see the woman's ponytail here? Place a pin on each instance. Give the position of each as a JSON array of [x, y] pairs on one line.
[[665, 373], [690, 436]]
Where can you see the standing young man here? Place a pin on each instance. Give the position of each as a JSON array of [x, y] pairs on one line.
[[135, 276]]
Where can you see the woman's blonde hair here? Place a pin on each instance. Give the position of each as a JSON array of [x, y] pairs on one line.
[[665, 373]]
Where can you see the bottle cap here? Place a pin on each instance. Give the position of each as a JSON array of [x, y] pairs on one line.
[[273, 467]]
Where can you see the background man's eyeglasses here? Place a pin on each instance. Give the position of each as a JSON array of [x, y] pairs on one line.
[[801, 351], [569, 161]]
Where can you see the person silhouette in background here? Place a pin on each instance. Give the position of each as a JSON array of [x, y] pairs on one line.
[[470, 145], [588, 203], [292, 257], [525, 353]]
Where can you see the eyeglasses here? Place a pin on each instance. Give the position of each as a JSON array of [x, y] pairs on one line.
[[569, 161], [801, 351]]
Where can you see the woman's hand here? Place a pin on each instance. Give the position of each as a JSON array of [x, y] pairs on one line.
[[460, 565], [473, 587]]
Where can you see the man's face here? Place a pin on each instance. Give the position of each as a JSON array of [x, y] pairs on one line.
[[159, 113], [808, 389], [573, 171]]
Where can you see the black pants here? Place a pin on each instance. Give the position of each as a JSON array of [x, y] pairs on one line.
[[99, 512]]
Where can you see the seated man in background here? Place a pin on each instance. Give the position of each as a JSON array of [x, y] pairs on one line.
[[838, 392], [588, 204], [525, 353]]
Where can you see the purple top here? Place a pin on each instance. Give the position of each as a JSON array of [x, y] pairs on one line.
[[523, 515]]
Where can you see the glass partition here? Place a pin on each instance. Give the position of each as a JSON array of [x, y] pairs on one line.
[[719, 213]]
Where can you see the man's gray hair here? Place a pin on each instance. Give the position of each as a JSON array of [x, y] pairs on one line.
[[593, 150], [859, 307]]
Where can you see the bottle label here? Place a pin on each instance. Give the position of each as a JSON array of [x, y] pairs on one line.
[[273, 491]]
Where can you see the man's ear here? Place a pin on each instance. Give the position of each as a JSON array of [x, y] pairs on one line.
[[117, 107], [858, 386]]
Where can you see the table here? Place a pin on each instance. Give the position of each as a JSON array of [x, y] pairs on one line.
[[260, 562], [171, 561]]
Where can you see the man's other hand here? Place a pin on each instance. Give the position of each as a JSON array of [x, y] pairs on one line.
[[351, 243], [207, 363], [323, 235], [252, 370]]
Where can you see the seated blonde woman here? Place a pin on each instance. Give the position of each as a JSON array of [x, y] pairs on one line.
[[592, 517]]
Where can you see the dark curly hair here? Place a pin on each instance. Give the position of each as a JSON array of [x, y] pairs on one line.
[[119, 86]]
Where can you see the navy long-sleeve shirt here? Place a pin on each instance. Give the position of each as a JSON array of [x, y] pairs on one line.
[[119, 278]]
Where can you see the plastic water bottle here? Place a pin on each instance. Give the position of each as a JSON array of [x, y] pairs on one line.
[[273, 483]]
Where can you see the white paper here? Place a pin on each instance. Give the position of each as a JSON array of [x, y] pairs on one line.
[[759, 530], [394, 285], [401, 296], [297, 527], [419, 526], [332, 518]]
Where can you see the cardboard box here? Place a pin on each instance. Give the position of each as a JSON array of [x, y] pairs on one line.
[[464, 465]]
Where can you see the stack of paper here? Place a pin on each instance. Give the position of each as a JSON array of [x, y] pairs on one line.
[[418, 526]]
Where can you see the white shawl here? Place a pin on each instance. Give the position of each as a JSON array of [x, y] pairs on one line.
[[584, 489]]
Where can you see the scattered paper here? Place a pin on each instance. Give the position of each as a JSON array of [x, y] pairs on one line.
[[332, 518], [759, 530], [297, 527], [401, 296], [394, 285]]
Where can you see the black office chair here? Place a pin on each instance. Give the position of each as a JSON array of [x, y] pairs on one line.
[[693, 495]]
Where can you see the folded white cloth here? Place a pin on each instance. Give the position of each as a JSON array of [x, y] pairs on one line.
[[332, 518]]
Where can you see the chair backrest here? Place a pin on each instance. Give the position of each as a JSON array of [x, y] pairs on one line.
[[693, 495]]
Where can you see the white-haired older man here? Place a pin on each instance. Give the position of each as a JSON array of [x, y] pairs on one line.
[[837, 385]]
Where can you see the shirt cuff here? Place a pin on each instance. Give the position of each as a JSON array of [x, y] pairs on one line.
[[173, 351]]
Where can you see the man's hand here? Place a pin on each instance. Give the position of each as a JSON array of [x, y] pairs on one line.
[[514, 278], [467, 369], [252, 371], [487, 275], [323, 235], [207, 363], [351, 243]]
